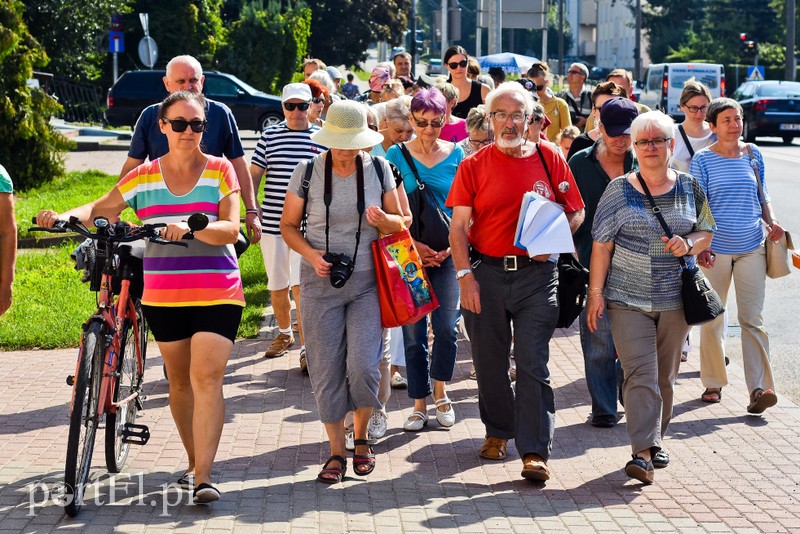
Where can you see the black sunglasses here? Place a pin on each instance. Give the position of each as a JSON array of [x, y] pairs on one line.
[[455, 64], [291, 106], [179, 125], [316, 100]]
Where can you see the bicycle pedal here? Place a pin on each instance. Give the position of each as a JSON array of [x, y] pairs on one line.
[[70, 380], [135, 434]]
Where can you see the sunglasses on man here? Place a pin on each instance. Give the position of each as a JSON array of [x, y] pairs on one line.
[[291, 106], [180, 125]]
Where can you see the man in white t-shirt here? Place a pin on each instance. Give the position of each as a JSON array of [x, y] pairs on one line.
[[281, 148]]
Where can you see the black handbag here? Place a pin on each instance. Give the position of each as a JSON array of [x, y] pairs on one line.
[[573, 285], [431, 225], [701, 304]]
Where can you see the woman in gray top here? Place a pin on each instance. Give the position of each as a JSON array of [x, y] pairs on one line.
[[635, 273], [339, 296]]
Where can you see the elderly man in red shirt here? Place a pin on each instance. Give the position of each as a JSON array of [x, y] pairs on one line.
[[500, 284]]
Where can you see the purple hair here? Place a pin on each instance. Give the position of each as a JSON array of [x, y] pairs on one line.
[[429, 100]]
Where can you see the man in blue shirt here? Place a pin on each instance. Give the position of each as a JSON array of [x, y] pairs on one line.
[[221, 137]]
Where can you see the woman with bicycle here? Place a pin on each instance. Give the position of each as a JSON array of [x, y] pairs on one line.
[[193, 296]]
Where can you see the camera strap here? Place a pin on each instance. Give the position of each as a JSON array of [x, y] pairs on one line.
[[328, 196]]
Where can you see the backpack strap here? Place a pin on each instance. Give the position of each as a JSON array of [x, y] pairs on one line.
[[305, 185]]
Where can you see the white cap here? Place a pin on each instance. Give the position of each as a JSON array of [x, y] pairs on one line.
[[299, 91]]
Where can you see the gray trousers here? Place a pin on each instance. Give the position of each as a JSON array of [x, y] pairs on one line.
[[528, 298], [649, 348], [344, 341]]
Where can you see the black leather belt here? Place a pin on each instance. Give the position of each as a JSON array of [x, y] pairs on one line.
[[507, 263]]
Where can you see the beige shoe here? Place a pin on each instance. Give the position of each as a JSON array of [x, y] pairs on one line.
[[534, 467], [280, 346], [494, 448]]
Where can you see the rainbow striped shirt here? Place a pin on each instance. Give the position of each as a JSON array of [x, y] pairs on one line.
[[202, 274]]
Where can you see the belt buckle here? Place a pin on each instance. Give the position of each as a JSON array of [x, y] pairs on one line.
[[509, 263]]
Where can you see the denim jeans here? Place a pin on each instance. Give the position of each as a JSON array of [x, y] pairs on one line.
[[600, 365], [442, 358]]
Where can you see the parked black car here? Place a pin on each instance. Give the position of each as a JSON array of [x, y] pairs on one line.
[[137, 89], [771, 108]]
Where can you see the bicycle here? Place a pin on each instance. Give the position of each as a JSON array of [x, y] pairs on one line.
[[110, 368]]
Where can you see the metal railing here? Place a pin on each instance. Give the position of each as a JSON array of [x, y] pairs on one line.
[[82, 102]]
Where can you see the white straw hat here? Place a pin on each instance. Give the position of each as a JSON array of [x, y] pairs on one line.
[[346, 127]]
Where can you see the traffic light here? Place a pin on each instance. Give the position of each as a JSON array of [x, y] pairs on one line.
[[747, 47]]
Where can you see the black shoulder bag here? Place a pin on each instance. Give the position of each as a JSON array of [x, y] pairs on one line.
[[686, 141], [701, 304], [431, 225], [573, 278]]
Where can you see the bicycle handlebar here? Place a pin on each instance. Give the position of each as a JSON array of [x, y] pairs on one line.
[[106, 231]]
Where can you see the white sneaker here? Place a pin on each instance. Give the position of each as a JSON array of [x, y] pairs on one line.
[[398, 382], [378, 424], [349, 441]]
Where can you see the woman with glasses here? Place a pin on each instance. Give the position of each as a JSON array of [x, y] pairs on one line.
[[732, 175], [319, 99], [432, 161], [471, 92], [634, 276], [479, 128], [193, 296], [455, 128], [694, 133]]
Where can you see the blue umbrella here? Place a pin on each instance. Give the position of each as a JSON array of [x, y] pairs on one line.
[[511, 63]]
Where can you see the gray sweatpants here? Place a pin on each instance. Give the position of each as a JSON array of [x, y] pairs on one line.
[[344, 342]]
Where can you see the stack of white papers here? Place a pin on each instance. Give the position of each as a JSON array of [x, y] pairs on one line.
[[542, 227]]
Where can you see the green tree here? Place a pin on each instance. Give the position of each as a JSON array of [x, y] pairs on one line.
[[191, 27], [31, 149], [72, 33], [265, 46], [341, 30]]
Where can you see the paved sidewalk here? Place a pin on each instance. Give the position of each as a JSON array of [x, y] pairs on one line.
[[729, 471]]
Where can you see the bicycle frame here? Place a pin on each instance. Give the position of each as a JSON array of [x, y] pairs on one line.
[[113, 314]]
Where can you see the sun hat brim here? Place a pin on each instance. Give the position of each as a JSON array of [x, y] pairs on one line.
[[346, 139]]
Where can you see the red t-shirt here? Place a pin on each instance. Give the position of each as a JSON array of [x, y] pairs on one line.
[[492, 184]]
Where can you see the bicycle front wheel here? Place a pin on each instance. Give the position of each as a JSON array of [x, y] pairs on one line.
[[84, 417], [128, 383]]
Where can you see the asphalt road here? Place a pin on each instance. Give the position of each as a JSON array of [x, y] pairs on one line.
[[782, 308]]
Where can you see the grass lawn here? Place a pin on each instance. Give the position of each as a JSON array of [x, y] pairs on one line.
[[51, 303]]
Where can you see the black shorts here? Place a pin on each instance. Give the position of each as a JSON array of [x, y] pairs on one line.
[[174, 323]]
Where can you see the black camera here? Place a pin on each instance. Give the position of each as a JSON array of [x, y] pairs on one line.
[[341, 268]]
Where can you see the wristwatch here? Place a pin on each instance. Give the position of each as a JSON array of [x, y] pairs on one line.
[[461, 273], [690, 244]]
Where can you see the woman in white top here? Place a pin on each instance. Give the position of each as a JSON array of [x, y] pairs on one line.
[[694, 133]]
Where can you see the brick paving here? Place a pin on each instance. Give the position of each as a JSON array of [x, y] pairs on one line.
[[730, 472]]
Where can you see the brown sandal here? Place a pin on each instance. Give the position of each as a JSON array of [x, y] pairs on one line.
[[332, 475], [494, 448], [712, 395]]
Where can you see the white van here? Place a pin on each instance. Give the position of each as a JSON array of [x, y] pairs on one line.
[[663, 82]]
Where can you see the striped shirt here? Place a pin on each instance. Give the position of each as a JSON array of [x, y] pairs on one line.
[[202, 274], [732, 191], [279, 151], [642, 275]]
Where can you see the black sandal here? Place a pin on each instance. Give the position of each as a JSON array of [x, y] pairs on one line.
[[364, 461], [332, 475]]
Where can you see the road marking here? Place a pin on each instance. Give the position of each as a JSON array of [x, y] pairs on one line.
[[780, 155]]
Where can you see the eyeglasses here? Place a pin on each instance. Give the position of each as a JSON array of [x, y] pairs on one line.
[[695, 109], [455, 64], [574, 72], [657, 142], [535, 119], [291, 106], [424, 124], [372, 127], [316, 100], [478, 142], [517, 117], [180, 125]]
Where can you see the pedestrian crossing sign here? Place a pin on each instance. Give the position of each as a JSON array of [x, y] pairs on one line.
[[755, 74]]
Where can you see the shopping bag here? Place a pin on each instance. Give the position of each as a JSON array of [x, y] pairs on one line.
[[404, 291]]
